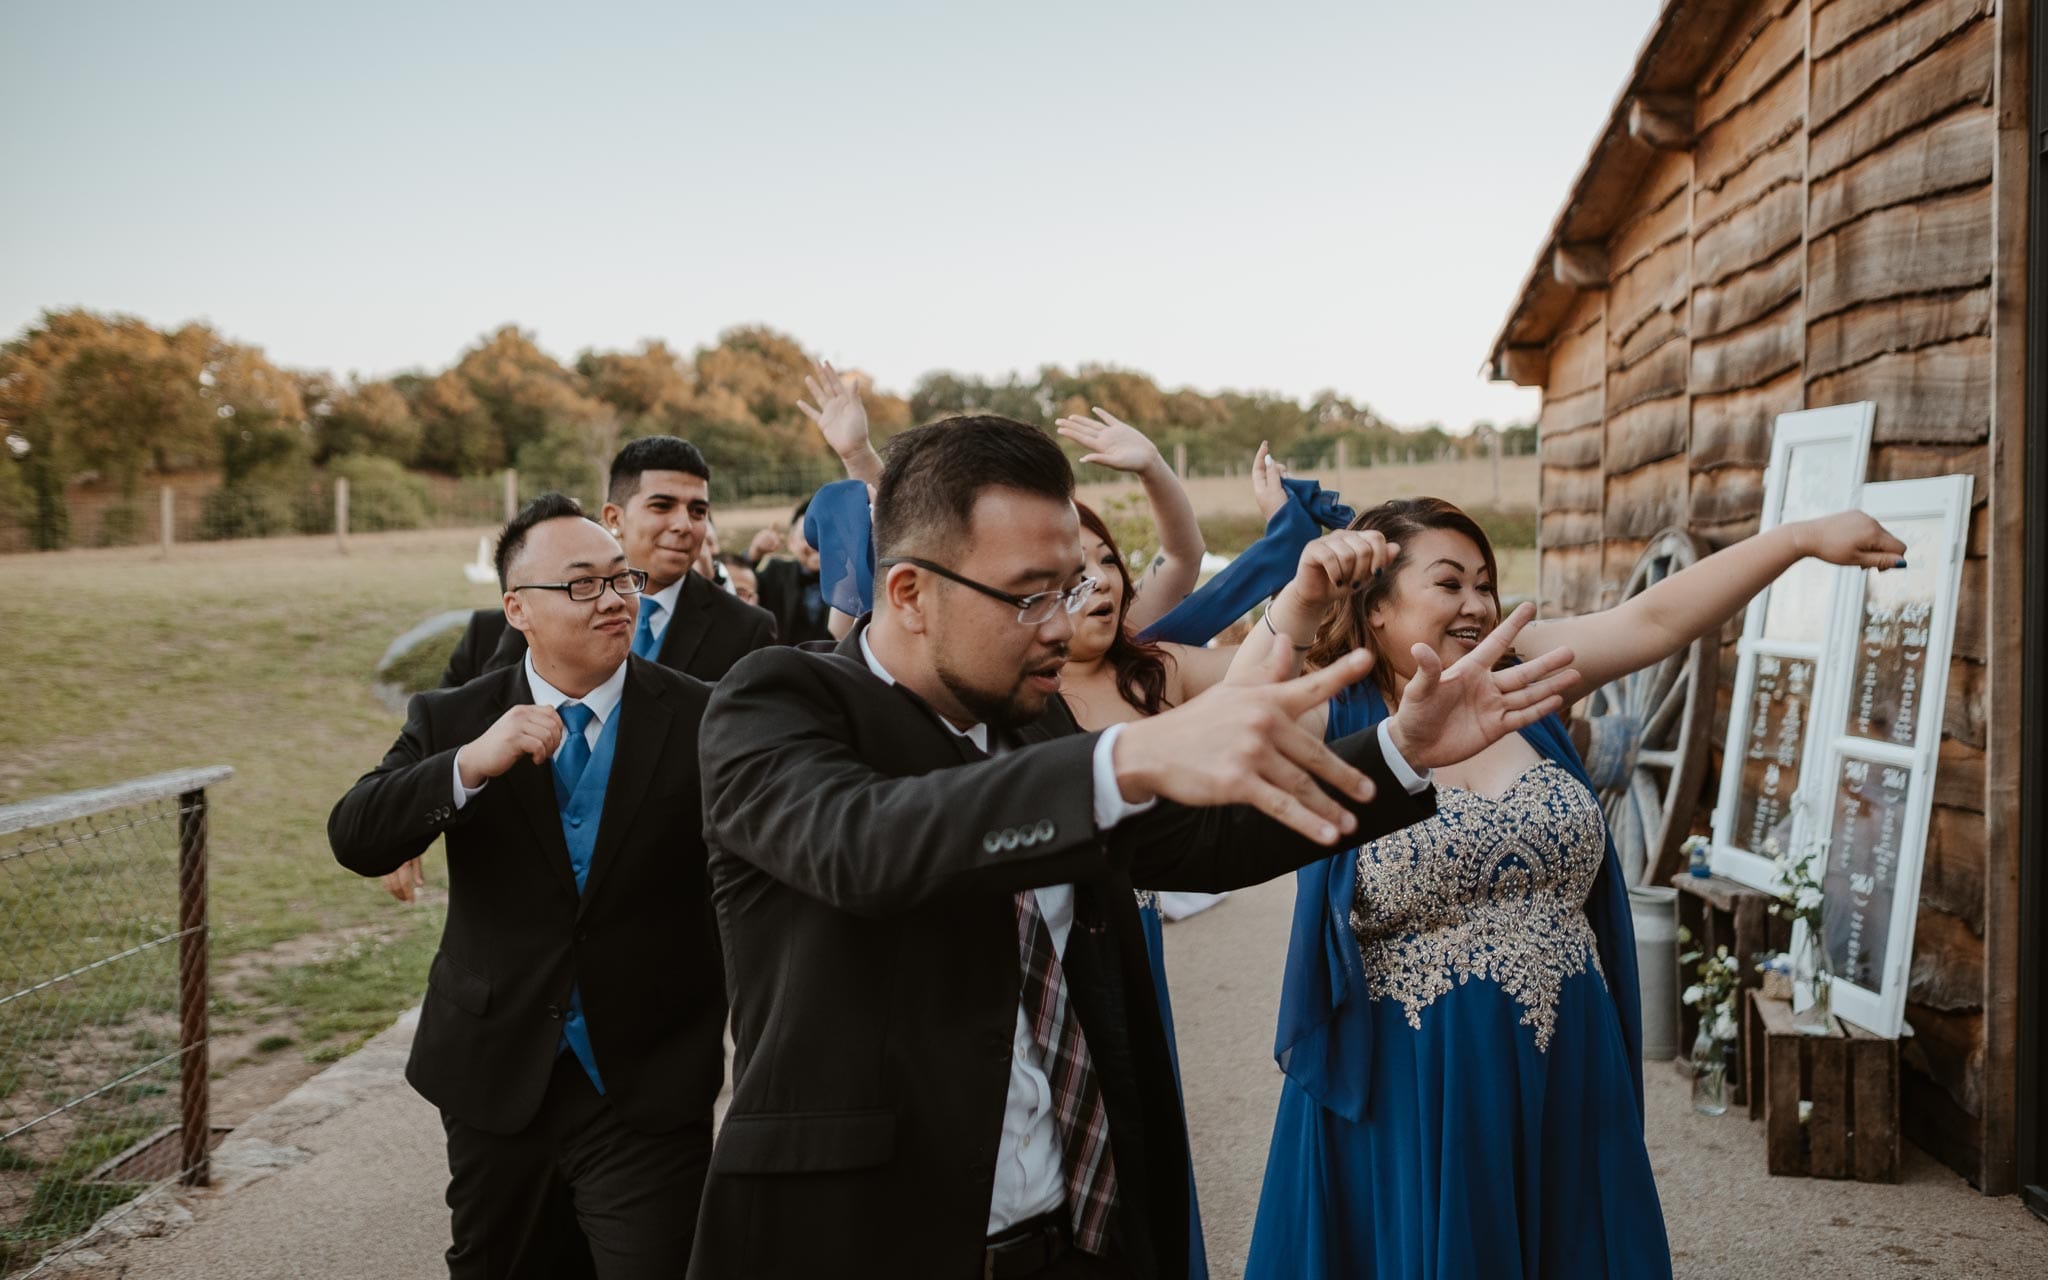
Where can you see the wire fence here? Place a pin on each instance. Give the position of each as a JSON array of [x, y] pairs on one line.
[[103, 1007]]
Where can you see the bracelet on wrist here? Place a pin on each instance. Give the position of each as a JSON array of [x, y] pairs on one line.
[[1267, 618]]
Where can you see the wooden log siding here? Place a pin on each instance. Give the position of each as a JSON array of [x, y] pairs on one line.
[[1571, 450], [1668, 213], [1953, 74], [1659, 374], [1563, 415], [1848, 74], [1570, 579], [1749, 132], [1737, 428], [1749, 357], [1963, 712], [1751, 236], [1925, 247], [1771, 51], [1578, 361], [1727, 495], [1952, 153], [1647, 433], [1907, 324], [1645, 500], [1837, 22], [1934, 395], [1750, 296], [1948, 958], [1657, 283], [1568, 528], [1952, 877], [1578, 490]]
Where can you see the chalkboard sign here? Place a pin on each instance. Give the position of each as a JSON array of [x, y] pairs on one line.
[[1891, 646], [1780, 704], [1867, 828]]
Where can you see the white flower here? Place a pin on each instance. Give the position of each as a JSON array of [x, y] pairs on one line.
[[1692, 845], [1807, 898], [1694, 994], [1724, 1026]]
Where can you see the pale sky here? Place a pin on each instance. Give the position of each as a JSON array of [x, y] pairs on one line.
[[1282, 195]]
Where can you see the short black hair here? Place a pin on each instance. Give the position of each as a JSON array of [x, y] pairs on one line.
[[934, 473], [548, 506], [796, 516], [653, 453], [736, 560]]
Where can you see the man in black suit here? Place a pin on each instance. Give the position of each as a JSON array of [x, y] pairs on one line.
[[573, 1027], [949, 1057], [790, 587], [658, 504]]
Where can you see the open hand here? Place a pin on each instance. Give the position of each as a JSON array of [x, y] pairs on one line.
[[407, 880], [1267, 473], [523, 733], [1111, 442], [1852, 538], [1448, 716], [1240, 744], [837, 413]]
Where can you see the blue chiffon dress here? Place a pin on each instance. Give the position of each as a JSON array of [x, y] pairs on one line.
[[1463, 1092]]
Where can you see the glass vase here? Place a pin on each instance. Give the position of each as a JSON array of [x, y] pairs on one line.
[[1811, 984], [1703, 1047], [1710, 1082]]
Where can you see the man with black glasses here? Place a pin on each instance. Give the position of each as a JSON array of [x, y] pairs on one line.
[[572, 1032]]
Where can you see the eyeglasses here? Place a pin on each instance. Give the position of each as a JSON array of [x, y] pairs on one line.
[[630, 582], [1031, 610]]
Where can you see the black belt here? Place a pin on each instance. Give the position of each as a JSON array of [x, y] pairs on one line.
[[1029, 1247]]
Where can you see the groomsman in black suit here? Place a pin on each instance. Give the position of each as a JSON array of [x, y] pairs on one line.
[[658, 505], [573, 1027], [949, 1055]]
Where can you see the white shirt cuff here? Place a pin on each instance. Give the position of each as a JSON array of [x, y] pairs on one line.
[[1411, 781], [464, 794], [1110, 805]]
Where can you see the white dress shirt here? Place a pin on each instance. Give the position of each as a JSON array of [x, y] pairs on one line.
[[1029, 1180], [602, 701]]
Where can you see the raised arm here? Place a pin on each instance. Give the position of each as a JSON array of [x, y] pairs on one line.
[[1692, 602], [1330, 568], [842, 419], [1178, 566]]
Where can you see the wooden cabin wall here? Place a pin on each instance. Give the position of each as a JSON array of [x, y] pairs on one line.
[[1898, 295], [1828, 238]]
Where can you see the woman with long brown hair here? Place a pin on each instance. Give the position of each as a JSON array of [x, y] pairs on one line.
[[1459, 1023]]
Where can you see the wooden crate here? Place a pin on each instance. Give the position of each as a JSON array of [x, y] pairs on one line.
[[1849, 1083], [1719, 912]]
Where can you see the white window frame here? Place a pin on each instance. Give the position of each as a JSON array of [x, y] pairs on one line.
[[1846, 430], [1946, 498]]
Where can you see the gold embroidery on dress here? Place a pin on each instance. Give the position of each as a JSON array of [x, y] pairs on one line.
[[1487, 889]]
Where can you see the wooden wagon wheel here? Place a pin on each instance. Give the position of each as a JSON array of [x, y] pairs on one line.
[[1645, 736]]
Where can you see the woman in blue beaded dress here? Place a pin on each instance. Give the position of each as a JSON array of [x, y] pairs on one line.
[[1459, 1025]]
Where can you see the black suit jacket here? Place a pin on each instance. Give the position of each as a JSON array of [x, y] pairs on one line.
[[864, 861], [639, 941], [781, 584], [712, 629]]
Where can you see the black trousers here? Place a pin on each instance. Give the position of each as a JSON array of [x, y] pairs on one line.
[[575, 1193]]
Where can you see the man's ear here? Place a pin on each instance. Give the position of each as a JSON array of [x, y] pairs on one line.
[[901, 595], [515, 612], [613, 518]]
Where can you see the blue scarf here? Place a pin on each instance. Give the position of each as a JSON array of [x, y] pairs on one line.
[[1324, 1040]]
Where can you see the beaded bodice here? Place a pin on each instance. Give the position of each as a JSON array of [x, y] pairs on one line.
[[1490, 889]]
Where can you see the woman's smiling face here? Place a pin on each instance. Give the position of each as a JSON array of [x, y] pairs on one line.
[[1442, 596]]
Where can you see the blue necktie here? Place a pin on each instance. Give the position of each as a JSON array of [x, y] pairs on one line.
[[574, 756], [644, 643]]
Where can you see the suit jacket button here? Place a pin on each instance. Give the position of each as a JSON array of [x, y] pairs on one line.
[[1011, 839], [991, 843], [555, 1011], [1046, 830]]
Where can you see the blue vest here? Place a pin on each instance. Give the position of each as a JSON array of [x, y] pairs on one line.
[[581, 814]]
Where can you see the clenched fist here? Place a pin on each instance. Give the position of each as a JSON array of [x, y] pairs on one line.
[[528, 732]]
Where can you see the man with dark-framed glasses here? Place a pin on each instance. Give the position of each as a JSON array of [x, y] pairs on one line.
[[572, 1031]]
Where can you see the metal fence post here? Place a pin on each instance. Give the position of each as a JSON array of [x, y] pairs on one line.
[[166, 517], [511, 494], [195, 1123], [341, 512]]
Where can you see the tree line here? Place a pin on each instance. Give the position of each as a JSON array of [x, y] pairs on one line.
[[88, 395]]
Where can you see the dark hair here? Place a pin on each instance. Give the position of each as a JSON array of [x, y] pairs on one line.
[[736, 560], [653, 453], [1345, 628], [548, 506], [934, 473], [1140, 666], [801, 507]]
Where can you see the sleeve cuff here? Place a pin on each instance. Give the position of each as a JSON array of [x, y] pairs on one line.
[[463, 794], [1110, 805], [1412, 782]]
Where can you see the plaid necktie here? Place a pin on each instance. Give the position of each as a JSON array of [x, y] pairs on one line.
[[1085, 1159]]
